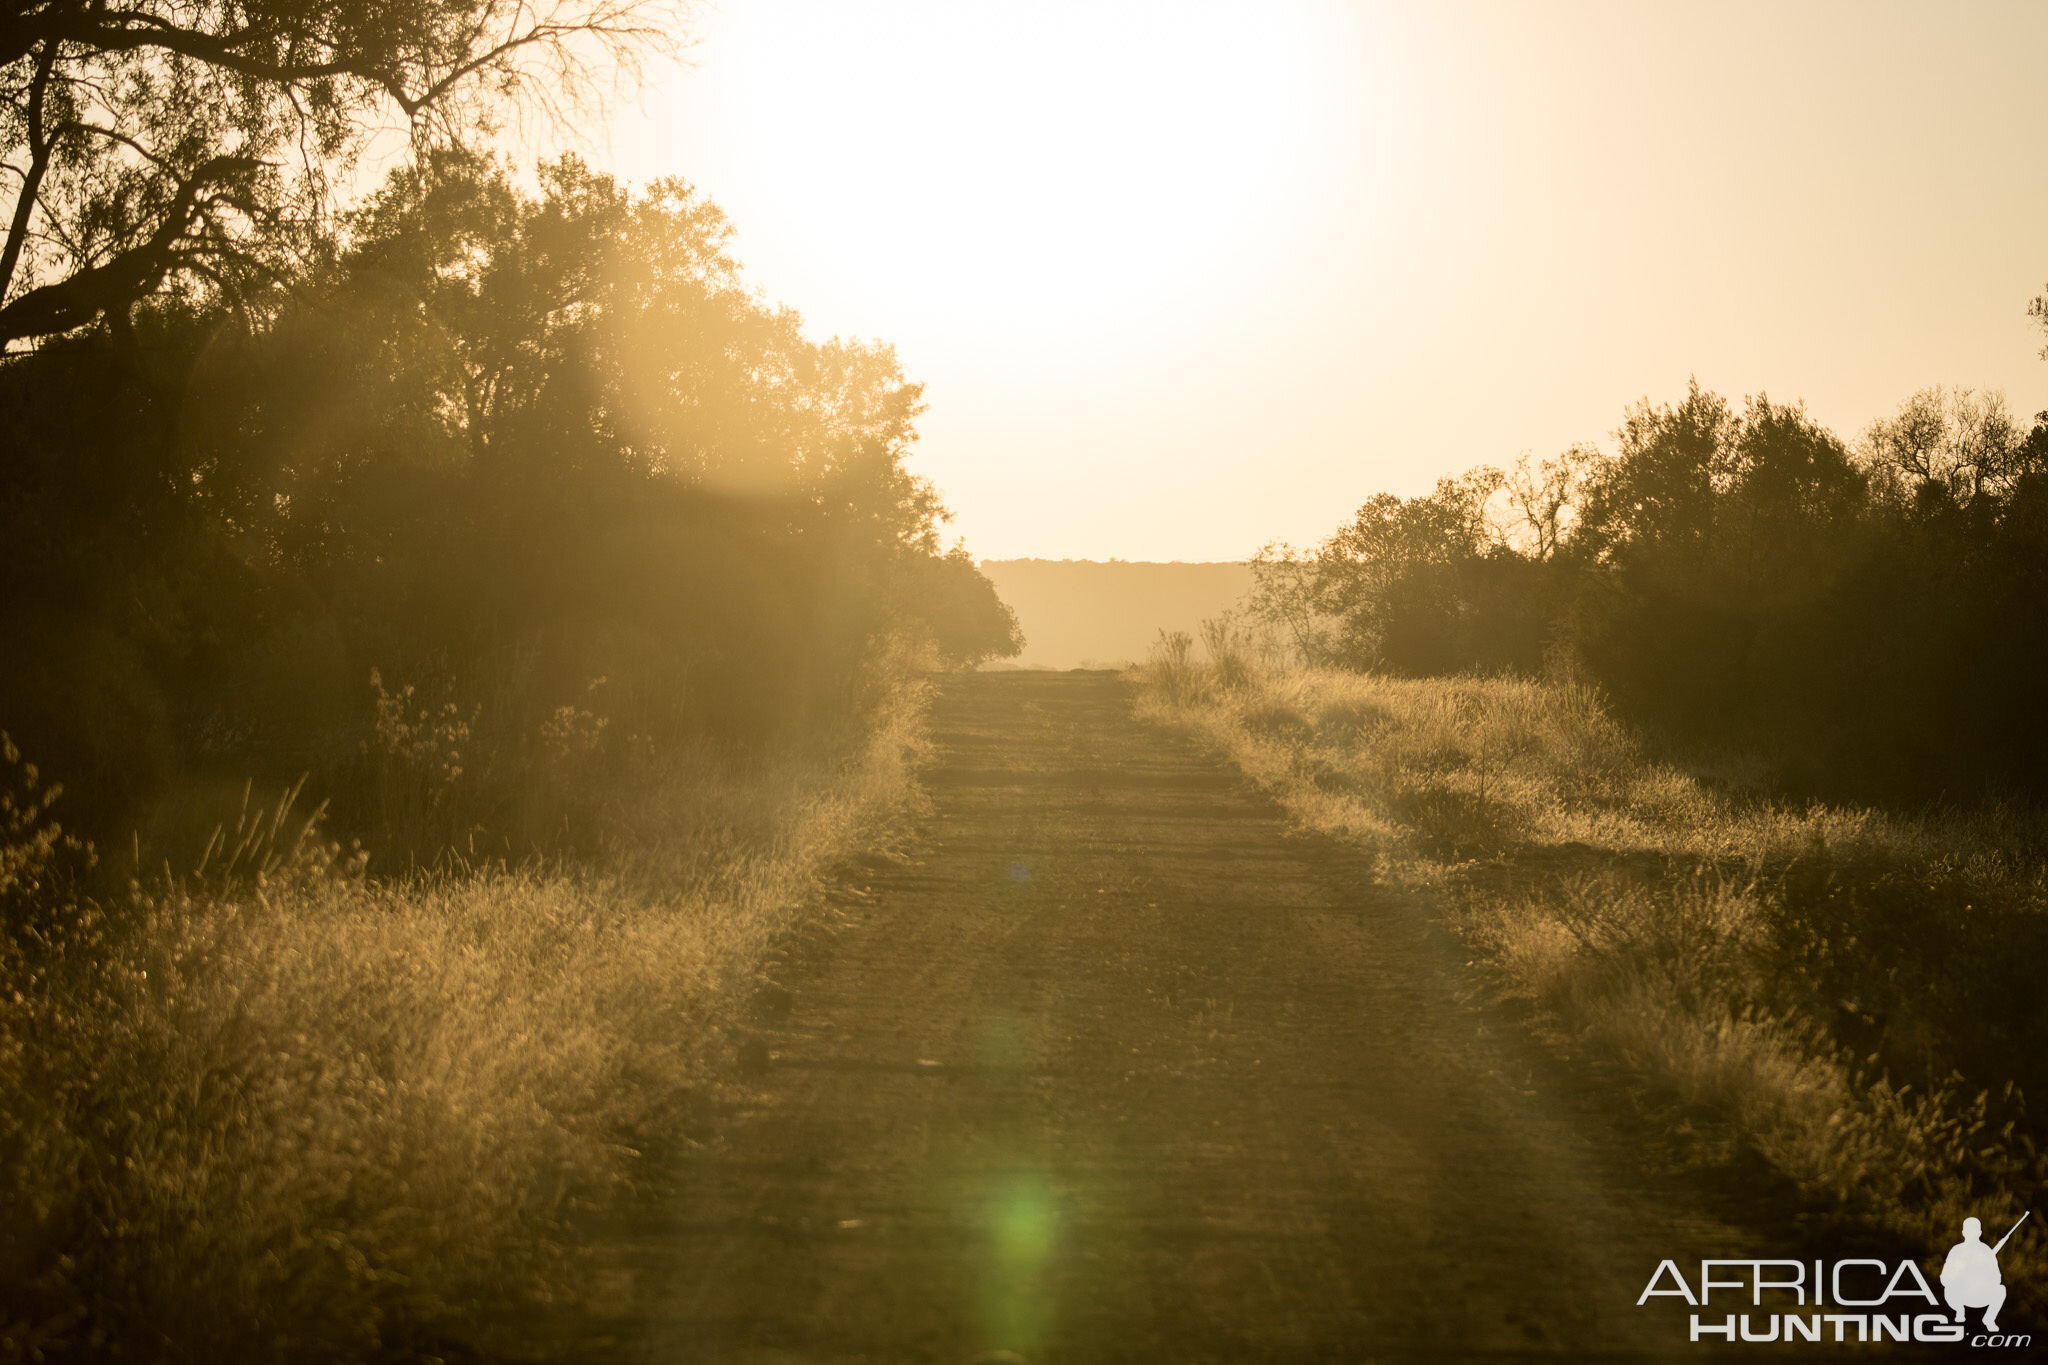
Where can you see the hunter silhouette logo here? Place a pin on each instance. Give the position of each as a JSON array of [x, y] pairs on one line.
[[1870, 1299], [1970, 1278]]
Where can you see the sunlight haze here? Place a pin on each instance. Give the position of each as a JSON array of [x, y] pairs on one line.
[[569, 853], [1181, 279]]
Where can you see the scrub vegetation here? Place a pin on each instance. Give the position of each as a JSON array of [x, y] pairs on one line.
[[1863, 618], [445, 639], [1718, 751], [275, 1108], [1845, 994], [462, 670]]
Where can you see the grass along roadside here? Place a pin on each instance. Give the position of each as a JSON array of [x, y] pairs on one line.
[[1848, 995], [278, 1109]]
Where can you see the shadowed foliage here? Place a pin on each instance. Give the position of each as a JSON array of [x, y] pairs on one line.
[[515, 453], [556, 568], [1870, 620]]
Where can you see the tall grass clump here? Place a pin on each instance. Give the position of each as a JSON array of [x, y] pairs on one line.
[[272, 1108], [1172, 665], [1847, 994]]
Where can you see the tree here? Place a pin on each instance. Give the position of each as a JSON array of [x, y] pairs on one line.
[[1659, 490], [1286, 592], [1388, 590], [1543, 499], [497, 443], [1788, 520], [954, 606], [191, 143], [569, 365], [1956, 443]]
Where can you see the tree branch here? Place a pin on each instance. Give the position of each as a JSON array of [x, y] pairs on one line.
[[129, 275], [32, 181], [131, 30]]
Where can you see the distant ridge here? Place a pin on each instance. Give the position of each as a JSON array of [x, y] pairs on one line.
[[1088, 613]]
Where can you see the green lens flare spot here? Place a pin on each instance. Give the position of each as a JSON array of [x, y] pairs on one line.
[[1025, 1223], [1024, 1235]]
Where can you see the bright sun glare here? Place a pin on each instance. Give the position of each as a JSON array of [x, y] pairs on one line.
[[1181, 278], [1010, 174]]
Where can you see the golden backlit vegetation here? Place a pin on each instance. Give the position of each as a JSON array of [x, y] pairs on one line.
[[1844, 993], [271, 1107], [586, 596], [454, 630], [467, 624], [511, 452], [1625, 716]]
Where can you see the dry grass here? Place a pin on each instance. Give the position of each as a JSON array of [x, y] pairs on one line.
[[281, 1110], [1848, 993]]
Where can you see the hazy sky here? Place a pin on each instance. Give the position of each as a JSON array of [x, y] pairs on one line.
[[1182, 278]]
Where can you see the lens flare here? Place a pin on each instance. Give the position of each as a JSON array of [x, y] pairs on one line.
[[1023, 1231]]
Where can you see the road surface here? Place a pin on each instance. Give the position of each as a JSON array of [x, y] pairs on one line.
[[1120, 1068]]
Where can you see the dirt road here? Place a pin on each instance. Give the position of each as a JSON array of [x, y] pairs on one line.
[[1120, 1069]]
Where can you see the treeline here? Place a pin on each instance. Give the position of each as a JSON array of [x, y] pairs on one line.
[[499, 494], [1872, 619], [500, 517]]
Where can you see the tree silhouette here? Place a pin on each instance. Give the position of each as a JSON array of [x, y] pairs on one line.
[[1870, 620], [1544, 496], [495, 444], [1954, 443], [191, 143]]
